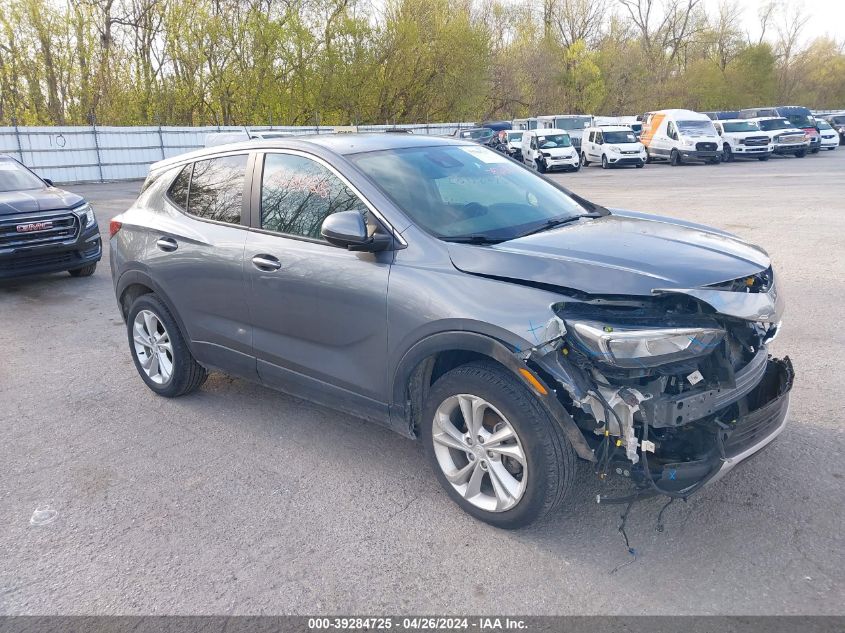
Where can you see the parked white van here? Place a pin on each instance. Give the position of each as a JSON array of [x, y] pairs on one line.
[[742, 138], [611, 145], [525, 124], [680, 135], [547, 150], [572, 124]]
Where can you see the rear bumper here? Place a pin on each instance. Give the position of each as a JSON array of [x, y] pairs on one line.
[[85, 250]]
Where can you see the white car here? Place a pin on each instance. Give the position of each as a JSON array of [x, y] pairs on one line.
[[548, 150], [830, 137], [742, 138], [787, 138], [612, 145], [513, 139]]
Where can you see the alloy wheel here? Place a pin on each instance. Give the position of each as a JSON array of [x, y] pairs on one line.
[[479, 452], [153, 347]]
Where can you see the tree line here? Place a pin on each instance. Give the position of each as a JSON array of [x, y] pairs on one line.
[[340, 62]]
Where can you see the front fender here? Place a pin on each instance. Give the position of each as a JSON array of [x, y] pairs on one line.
[[494, 348]]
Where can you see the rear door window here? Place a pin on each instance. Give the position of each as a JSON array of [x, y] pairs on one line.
[[217, 189]]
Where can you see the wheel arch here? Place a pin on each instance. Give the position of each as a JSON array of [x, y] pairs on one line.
[[136, 283], [438, 353]]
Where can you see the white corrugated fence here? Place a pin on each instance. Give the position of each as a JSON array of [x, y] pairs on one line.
[[74, 154]]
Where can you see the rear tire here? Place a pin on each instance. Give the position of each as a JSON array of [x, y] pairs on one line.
[[165, 343], [505, 405], [85, 271]]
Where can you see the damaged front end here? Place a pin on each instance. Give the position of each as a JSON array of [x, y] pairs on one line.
[[671, 390]]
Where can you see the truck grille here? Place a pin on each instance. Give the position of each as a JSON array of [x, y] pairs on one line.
[[39, 230], [789, 139], [757, 141], [705, 147]]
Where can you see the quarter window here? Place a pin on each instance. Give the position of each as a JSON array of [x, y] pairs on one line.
[[298, 193], [178, 192], [217, 189]]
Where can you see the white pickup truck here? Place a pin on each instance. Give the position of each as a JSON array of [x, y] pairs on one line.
[[742, 138]]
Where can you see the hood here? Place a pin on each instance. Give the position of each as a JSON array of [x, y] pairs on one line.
[[559, 151], [35, 200], [624, 253]]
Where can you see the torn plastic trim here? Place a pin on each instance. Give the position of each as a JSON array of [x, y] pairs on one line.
[[765, 307]]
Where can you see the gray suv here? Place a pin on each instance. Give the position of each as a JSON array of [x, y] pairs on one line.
[[445, 291]]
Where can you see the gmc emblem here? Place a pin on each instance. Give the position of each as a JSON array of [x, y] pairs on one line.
[[34, 226]]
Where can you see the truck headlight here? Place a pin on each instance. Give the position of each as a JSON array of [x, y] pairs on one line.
[[634, 347], [86, 215]]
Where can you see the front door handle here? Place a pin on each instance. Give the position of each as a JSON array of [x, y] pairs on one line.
[[267, 263], [167, 244]]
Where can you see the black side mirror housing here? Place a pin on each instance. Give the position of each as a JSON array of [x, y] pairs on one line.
[[48, 181]]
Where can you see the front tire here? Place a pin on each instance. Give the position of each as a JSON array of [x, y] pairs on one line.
[[604, 164], [584, 161], [763, 158], [85, 271], [540, 166], [493, 447], [801, 154], [727, 155], [675, 158], [159, 350]]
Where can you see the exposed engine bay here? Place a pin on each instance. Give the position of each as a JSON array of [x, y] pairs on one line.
[[670, 391]]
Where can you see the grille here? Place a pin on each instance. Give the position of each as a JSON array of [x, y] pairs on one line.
[[756, 141], [60, 227], [22, 262], [705, 147], [790, 138]]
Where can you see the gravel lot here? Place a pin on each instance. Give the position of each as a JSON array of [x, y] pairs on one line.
[[238, 499]]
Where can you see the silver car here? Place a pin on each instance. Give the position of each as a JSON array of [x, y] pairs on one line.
[[449, 293]]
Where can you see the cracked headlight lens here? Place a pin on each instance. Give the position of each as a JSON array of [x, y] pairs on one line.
[[86, 215], [643, 347]]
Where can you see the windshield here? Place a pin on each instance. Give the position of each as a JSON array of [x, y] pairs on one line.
[[573, 122], [514, 136], [466, 191], [740, 126], [838, 120], [619, 137], [801, 120], [823, 125], [478, 134], [775, 124], [554, 140], [16, 177], [697, 128]]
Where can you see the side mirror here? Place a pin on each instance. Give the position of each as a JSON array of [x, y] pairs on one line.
[[48, 181], [347, 229]]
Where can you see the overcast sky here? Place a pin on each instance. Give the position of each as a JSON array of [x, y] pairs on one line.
[[827, 17]]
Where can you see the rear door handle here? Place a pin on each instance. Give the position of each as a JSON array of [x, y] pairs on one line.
[[267, 263], [167, 244]]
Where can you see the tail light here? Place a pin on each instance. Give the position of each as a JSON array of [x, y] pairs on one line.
[[114, 227]]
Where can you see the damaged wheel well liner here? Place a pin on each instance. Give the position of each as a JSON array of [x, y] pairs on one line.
[[435, 355]]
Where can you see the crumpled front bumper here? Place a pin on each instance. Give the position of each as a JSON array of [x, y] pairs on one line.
[[736, 441]]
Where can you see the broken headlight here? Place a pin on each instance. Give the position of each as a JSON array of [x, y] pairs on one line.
[[635, 347]]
